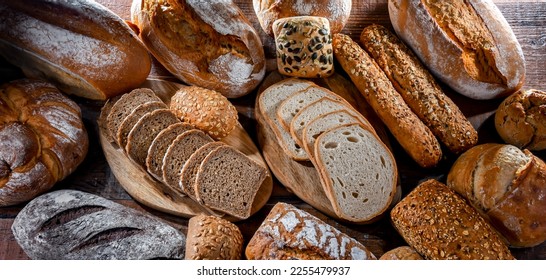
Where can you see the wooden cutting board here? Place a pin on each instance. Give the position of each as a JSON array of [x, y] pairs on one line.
[[145, 189]]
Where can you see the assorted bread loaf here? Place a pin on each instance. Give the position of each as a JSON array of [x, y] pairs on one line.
[[213, 238]]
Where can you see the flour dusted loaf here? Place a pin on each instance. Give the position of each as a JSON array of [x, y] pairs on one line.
[[520, 119], [507, 185], [204, 43], [469, 45], [69, 224], [440, 224], [213, 238], [290, 233], [337, 12], [42, 139], [88, 51]]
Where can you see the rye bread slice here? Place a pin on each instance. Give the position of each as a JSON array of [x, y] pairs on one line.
[[190, 169], [125, 105], [104, 112], [158, 148], [358, 172], [228, 181], [179, 152], [144, 132], [129, 122]]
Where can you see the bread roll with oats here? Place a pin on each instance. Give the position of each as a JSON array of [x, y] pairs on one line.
[[213, 238]]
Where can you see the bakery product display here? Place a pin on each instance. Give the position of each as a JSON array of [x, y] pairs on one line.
[[213, 238], [507, 186], [469, 45], [85, 52], [233, 62], [520, 119], [42, 139]]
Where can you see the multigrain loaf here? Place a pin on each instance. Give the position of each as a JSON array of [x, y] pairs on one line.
[[160, 144], [213, 238], [440, 224], [520, 119], [191, 167], [401, 253], [419, 89], [507, 186], [144, 132], [69, 224], [288, 233], [180, 150], [78, 45], [130, 120], [204, 43], [358, 172], [228, 181], [416, 138], [469, 45]]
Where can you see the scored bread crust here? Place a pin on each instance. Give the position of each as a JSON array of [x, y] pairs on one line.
[[445, 57]]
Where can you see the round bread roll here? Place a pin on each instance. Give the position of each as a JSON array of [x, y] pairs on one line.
[[213, 238], [336, 11], [205, 109], [506, 185], [401, 253], [42, 139], [521, 120]]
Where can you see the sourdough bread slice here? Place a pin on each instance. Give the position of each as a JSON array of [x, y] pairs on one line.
[[324, 123], [179, 152], [228, 180], [144, 132], [268, 103], [158, 148], [190, 169], [293, 104], [129, 122], [358, 172], [125, 105]]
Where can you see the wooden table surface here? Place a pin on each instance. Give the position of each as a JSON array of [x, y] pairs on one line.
[[528, 21]]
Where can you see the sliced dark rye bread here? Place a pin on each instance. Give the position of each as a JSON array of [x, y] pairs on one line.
[[190, 169], [159, 146], [358, 172], [125, 105], [104, 112], [179, 152], [268, 102], [294, 103], [323, 123], [129, 122], [144, 132], [228, 181]]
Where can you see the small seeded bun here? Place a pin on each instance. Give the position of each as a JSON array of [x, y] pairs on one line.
[[521, 119], [205, 109], [401, 253], [213, 238]]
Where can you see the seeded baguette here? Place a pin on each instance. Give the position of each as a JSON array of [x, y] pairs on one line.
[[418, 89], [371, 81]]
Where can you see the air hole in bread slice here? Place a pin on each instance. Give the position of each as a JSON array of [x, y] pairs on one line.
[[353, 139], [346, 133], [355, 194], [330, 145]]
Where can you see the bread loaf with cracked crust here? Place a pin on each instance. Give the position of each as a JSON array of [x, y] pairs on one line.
[[469, 45]]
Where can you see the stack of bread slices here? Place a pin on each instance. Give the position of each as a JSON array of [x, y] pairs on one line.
[[185, 159]]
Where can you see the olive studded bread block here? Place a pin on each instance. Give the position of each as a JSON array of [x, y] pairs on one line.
[[191, 167], [130, 120], [289, 233], [69, 224], [228, 181], [213, 238]]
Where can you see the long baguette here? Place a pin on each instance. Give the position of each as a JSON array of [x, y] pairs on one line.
[[407, 128], [419, 89]]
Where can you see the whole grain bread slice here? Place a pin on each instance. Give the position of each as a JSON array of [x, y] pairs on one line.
[[144, 132], [190, 169], [179, 152], [130, 120], [159, 146], [358, 172], [228, 181]]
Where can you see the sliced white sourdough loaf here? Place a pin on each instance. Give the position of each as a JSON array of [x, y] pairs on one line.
[[358, 172], [158, 148], [228, 181], [190, 169], [130, 120], [268, 103]]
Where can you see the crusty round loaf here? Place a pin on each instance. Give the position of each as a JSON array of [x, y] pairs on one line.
[[336, 11], [42, 139], [88, 51], [508, 186], [521, 119], [205, 109], [213, 238]]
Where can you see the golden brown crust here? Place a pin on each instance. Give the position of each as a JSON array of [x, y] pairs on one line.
[[370, 80], [439, 224], [213, 238], [401, 253], [419, 89]]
